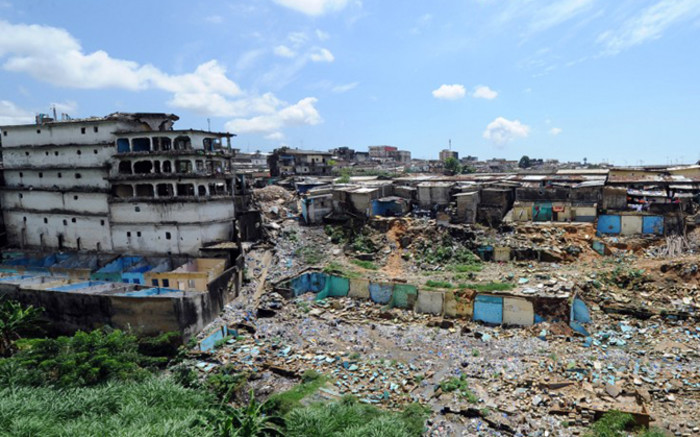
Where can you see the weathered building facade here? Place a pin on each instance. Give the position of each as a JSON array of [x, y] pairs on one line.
[[124, 182]]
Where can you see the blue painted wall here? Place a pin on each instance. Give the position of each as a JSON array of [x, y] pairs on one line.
[[609, 224], [653, 225], [380, 293], [488, 309]]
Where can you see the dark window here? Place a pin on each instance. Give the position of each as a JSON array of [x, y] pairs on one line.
[[78, 176], [82, 130], [46, 220], [75, 197], [128, 235], [79, 152], [168, 236], [65, 222], [73, 220], [26, 153], [137, 208], [60, 175], [94, 129], [138, 233], [41, 175], [47, 153], [154, 282], [21, 174], [95, 151], [4, 133], [55, 153], [21, 195], [166, 283], [24, 219], [102, 222]]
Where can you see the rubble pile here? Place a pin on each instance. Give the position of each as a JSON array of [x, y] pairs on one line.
[[640, 353]]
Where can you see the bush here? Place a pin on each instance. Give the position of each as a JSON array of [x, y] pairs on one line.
[[226, 383], [461, 386], [164, 345], [612, 424], [15, 320], [87, 358]]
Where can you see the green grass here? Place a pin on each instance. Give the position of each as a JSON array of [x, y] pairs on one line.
[[154, 407], [283, 403], [489, 286], [310, 255], [438, 284], [615, 424], [465, 268], [459, 385], [349, 418], [369, 265], [334, 268]]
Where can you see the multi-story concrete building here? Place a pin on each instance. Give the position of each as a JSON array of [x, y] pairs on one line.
[[124, 182], [445, 154], [288, 162]]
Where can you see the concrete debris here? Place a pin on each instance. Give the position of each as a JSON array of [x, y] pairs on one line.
[[636, 349]]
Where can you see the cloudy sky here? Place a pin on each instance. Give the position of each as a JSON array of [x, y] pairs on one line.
[[610, 81]]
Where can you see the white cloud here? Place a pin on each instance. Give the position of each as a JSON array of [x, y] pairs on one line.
[[450, 92], [12, 114], [484, 92], [298, 38], [344, 88], [301, 113], [649, 24], [501, 131], [557, 13], [284, 52], [54, 56], [275, 136], [555, 131], [322, 55], [67, 107], [215, 19], [321, 35], [313, 7]]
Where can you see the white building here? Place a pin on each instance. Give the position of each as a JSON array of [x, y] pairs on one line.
[[124, 182]]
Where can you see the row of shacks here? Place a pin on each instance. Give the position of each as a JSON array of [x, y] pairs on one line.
[[619, 200]]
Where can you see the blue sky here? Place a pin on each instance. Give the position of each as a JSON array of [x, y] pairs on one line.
[[568, 79]]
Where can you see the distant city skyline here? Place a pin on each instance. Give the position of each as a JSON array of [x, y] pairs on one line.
[[567, 79]]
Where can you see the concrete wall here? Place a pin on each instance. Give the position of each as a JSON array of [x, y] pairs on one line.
[[486, 307], [85, 155], [63, 178], [150, 238], [62, 133], [172, 212], [187, 312], [94, 203], [35, 232]]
